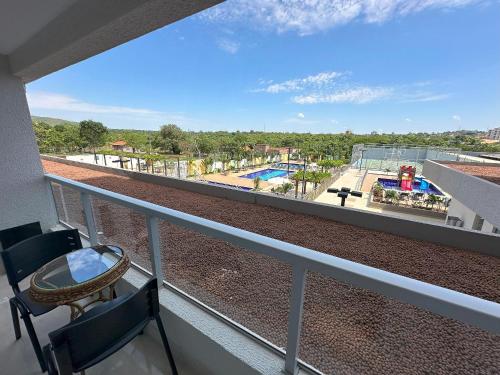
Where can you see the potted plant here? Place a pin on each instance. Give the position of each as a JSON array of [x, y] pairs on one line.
[[377, 192], [391, 196]]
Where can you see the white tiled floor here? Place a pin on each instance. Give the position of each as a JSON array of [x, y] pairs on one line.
[[143, 356]]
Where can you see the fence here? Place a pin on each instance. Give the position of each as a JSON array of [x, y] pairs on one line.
[[326, 183], [465, 308], [391, 156]]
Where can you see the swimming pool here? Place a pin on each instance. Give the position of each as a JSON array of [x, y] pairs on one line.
[[389, 183], [266, 174]]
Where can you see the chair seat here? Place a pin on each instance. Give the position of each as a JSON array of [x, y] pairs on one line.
[[35, 308]]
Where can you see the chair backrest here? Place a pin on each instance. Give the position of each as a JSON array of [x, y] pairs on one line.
[[25, 257], [105, 329], [11, 236]]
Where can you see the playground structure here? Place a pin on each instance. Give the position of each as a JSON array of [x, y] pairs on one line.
[[406, 176]]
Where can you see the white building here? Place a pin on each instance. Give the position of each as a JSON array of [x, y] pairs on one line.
[[494, 134], [475, 192]]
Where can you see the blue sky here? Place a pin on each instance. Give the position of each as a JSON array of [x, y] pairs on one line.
[[319, 66]]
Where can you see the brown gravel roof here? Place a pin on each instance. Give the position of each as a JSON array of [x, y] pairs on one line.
[[345, 329], [486, 172]]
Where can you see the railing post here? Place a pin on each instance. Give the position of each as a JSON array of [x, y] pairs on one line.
[[88, 213], [295, 319], [63, 204], [154, 248]]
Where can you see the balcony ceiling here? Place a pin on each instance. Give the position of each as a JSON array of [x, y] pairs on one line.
[[42, 36], [21, 19]]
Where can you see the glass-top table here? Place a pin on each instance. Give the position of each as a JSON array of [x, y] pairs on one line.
[[79, 274]]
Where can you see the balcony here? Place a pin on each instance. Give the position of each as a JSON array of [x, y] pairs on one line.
[[243, 302], [302, 278]]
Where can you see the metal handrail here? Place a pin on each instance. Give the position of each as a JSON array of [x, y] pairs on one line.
[[468, 309]]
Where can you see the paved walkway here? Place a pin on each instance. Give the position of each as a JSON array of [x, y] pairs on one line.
[[352, 179]]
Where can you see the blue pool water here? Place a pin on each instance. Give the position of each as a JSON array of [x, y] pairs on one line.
[[393, 184], [266, 174]]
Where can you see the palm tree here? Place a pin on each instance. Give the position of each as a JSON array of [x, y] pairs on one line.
[[286, 187], [224, 158], [296, 178], [207, 164], [256, 183], [315, 178]]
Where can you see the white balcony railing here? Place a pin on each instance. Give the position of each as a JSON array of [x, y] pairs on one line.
[[462, 307]]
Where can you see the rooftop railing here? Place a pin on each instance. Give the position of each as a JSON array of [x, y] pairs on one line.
[[462, 307]]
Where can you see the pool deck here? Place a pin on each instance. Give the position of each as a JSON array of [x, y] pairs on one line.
[[235, 179], [352, 177]]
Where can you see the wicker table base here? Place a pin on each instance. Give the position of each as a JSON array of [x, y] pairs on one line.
[[70, 295]]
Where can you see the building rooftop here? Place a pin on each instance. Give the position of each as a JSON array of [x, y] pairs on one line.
[[119, 143], [489, 172], [344, 327]]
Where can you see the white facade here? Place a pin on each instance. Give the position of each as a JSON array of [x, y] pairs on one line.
[[468, 218], [494, 134], [475, 201], [24, 195]]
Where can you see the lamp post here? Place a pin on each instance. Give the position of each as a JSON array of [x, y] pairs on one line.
[[344, 193], [288, 160], [304, 177]]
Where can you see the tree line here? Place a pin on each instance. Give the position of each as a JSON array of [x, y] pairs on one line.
[[172, 140]]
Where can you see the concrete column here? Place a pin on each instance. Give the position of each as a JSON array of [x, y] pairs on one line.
[[24, 195]]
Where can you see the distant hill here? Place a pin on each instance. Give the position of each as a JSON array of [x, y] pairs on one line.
[[52, 121]]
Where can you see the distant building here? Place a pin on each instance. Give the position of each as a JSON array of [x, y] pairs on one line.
[[120, 146], [494, 134]]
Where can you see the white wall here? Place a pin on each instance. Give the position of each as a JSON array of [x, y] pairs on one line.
[[24, 195], [467, 215], [479, 195]]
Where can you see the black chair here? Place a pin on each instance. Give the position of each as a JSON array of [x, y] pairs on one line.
[[103, 330], [11, 236], [20, 261]]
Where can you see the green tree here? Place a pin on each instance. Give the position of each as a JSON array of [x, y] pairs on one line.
[[136, 140], [42, 130], [93, 134], [172, 139]]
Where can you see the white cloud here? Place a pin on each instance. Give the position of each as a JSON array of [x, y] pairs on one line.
[[336, 87], [53, 101], [416, 97], [228, 45], [300, 115], [358, 95], [456, 118], [408, 119], [335, 122], [312, 16], [317, 81]]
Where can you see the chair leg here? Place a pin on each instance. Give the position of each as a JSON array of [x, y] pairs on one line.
[[159, 323], [49, 360], [34, 341], [15, 318]]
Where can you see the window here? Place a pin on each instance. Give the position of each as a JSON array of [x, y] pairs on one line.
[[478, 223]]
